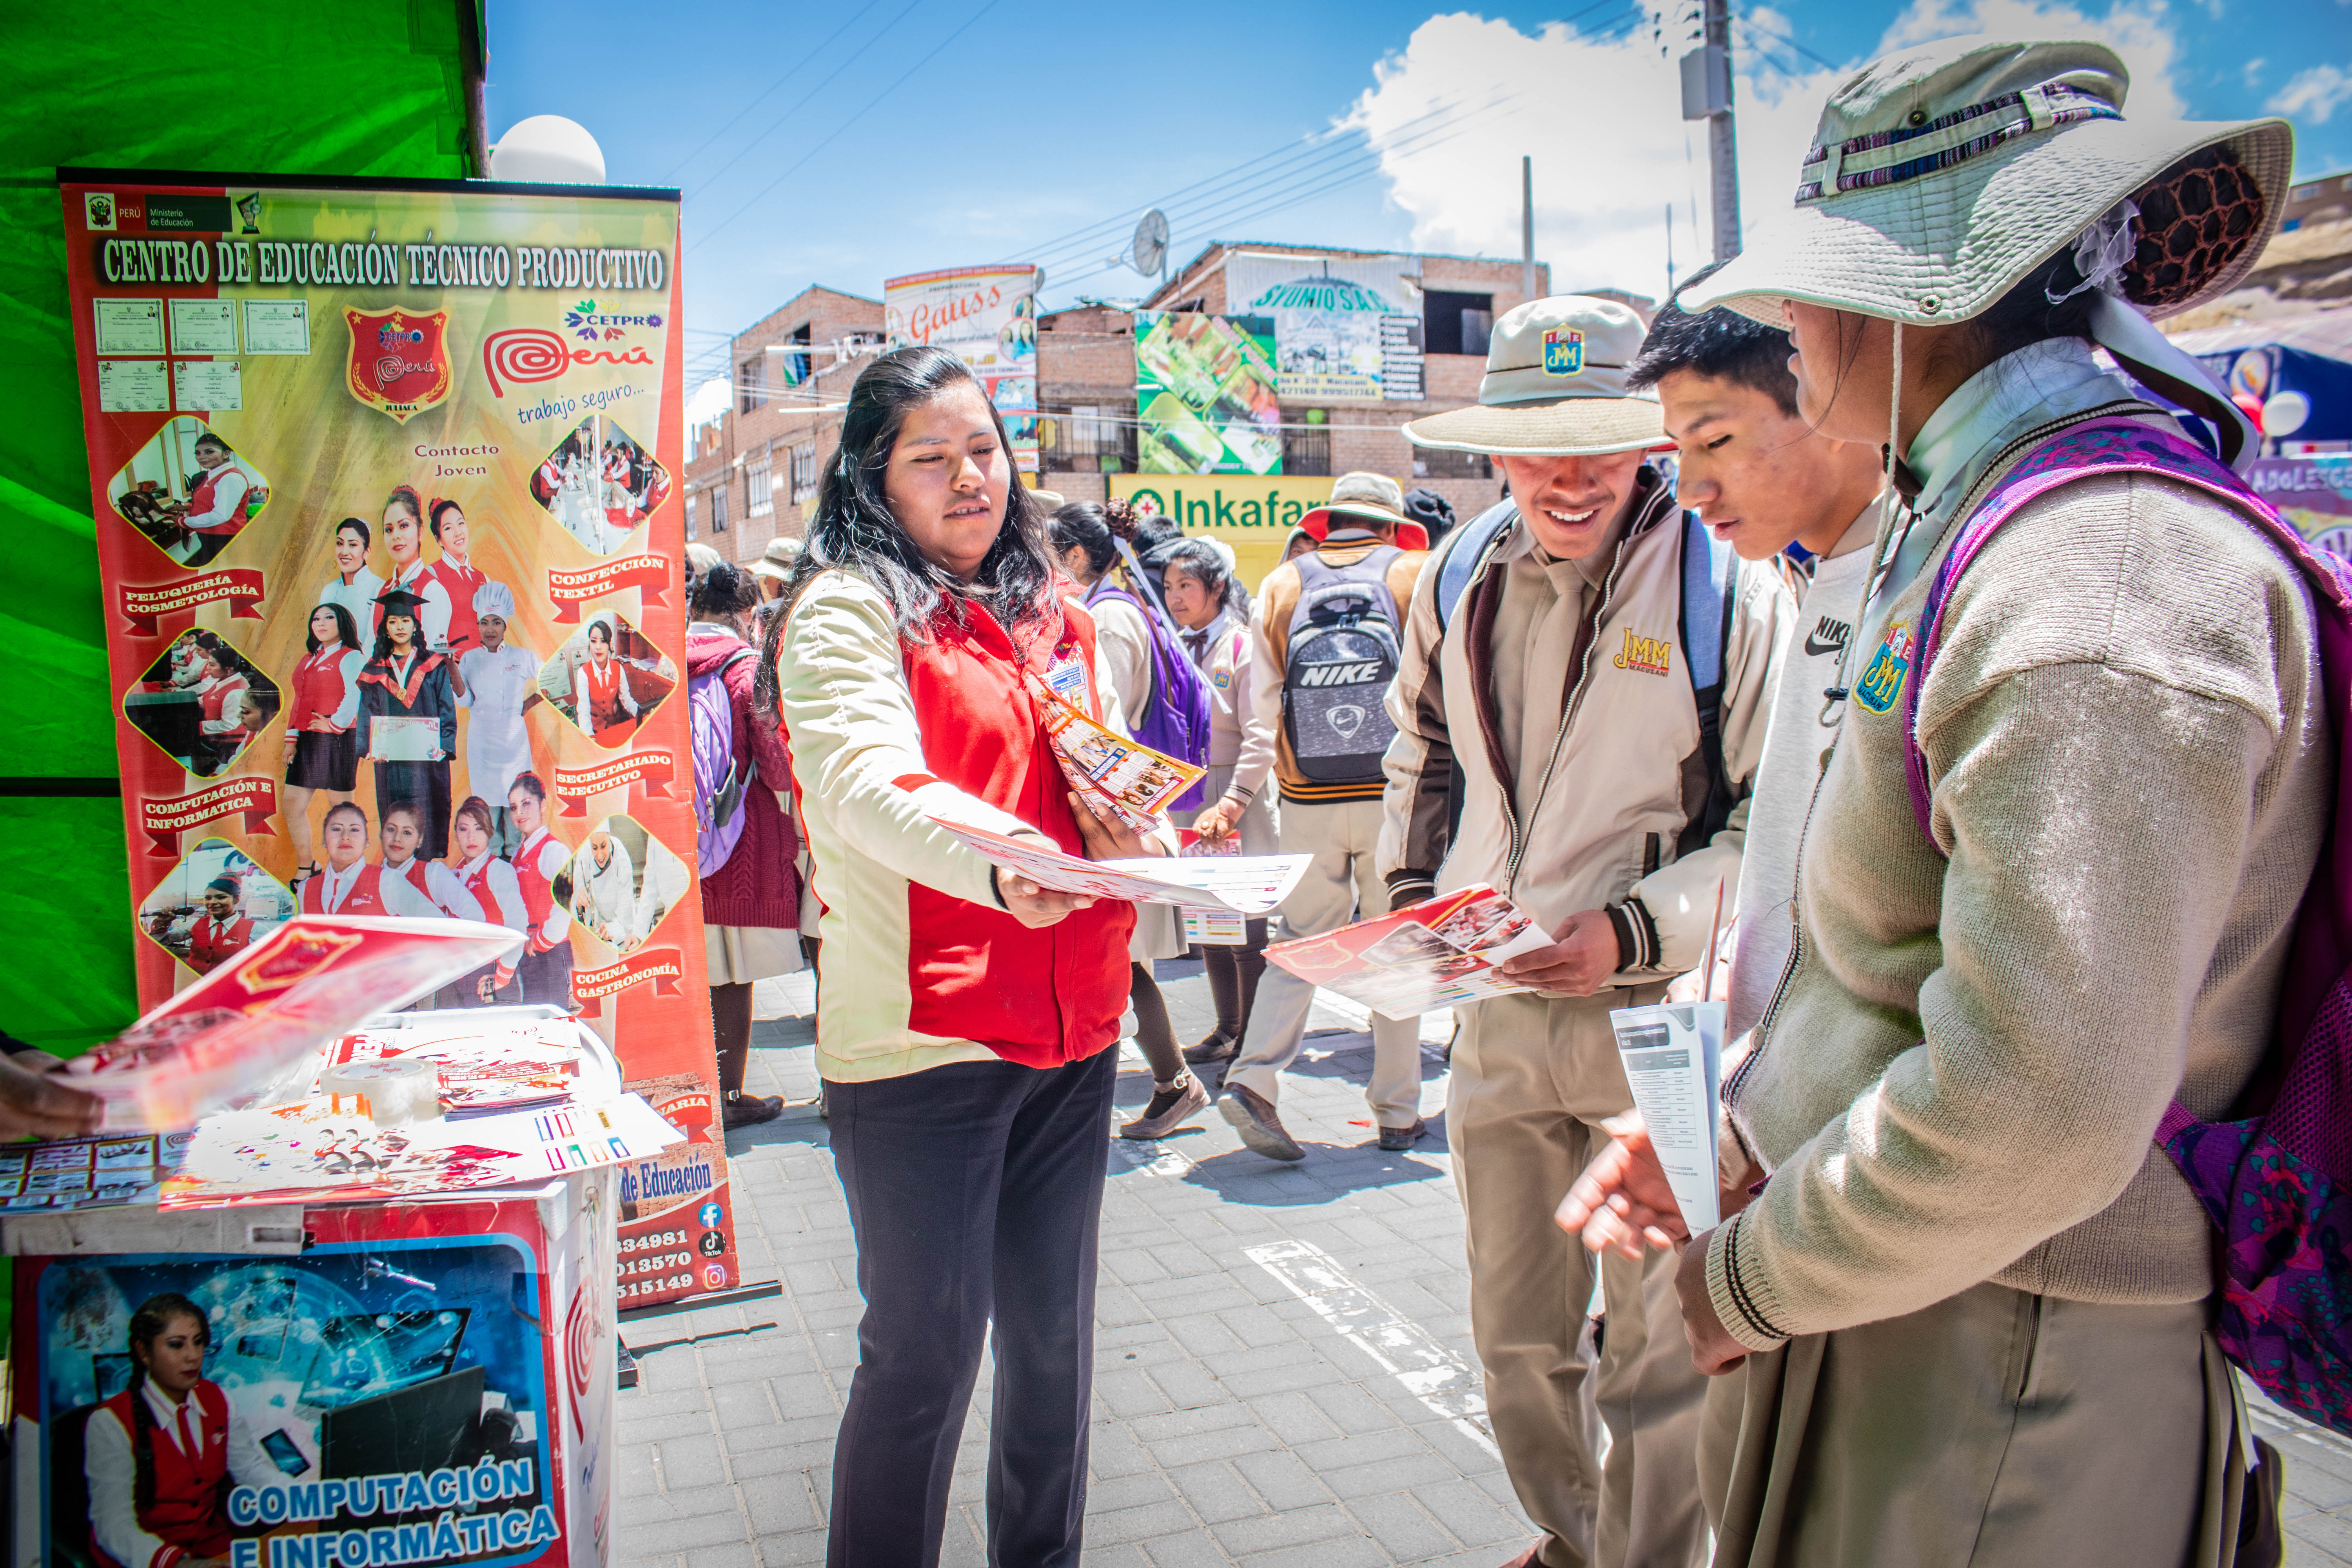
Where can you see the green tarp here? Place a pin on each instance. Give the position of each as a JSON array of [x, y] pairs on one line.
[[359, 86]]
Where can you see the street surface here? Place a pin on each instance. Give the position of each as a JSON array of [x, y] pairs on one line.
[[1283, 1372]]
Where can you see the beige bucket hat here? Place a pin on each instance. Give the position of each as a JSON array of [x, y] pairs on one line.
[[1555, 386], [1366, 497], [777, 560], [1941, 176]]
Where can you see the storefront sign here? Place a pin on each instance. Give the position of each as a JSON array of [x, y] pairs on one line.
[[987, 316], [1347, 329], [470, 394]]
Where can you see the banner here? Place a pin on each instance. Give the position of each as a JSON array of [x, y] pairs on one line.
[[302, 398], [1254, 513], [987, 316], [1204, 394], [2313, 493], [1347, 329]]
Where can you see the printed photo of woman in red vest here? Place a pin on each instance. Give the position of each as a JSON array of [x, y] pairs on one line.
[[497, 895], [408, 720], [216, 505], [350, 885], [602, 702], [322, 752], [222, 931], [160, 1456]]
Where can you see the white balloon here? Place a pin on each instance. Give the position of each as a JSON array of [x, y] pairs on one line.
[[547, 149], [2285, 414]]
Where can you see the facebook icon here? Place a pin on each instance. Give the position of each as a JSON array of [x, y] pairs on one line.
[[709, 1217]]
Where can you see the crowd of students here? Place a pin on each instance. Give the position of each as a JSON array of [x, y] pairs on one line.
[[1993, 919]]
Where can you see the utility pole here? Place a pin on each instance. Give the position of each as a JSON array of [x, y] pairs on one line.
[[1526, 228], [1706, 95]]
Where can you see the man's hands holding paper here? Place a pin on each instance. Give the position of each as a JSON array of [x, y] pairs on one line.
[[1623, 1203], [1577, 964]]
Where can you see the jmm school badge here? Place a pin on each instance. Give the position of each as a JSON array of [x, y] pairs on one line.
[[1881, 679], [400, 359], [1563, 350]]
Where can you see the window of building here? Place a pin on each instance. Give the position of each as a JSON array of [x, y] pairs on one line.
[[2290, 225], [751, 382], [758, 485], [1307, 449], [689, 514], [803, 471], [1428, 463], [718, 494], [1454, 324], [2302, 193], [1093, 438], [796, 366]]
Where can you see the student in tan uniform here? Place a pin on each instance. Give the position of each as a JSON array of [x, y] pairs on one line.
[[1600, 781]]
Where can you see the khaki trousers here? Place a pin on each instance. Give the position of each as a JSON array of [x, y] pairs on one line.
[[1340, 835], [1532, 1079], [1993, 1429]]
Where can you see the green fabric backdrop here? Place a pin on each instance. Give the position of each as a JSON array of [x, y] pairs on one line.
[[359, 86]]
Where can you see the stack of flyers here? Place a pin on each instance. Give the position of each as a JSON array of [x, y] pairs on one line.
[[312, 1152], [236, 1029], [512, 1069], [89, 1173], [1118, 779], [1418, 958], [1248, 885]]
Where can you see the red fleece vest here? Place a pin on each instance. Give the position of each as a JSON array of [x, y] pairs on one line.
[[189, 1510]]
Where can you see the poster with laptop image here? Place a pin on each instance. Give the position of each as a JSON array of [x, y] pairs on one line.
[[381, 1401]]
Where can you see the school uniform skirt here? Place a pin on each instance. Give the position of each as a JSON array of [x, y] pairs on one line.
[[325, 762], [737, 955]]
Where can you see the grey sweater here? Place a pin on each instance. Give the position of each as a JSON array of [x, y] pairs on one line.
[[1960, 1080]]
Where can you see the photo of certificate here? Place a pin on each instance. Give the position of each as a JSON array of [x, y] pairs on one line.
[[130, 326], [212, 384], [132, 387], [277, 326], [204, 326], [400, 740]]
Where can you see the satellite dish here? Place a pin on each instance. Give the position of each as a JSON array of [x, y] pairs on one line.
[[547, 149], [1148, 254]]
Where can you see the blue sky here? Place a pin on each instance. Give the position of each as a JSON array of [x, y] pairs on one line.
[[843, 144]]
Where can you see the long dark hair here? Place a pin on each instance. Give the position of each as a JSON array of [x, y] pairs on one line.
[[855, 531], [154, 1315], [1081, 525], [347, 631]]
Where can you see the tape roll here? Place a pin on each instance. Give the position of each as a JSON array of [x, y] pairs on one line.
[[399, 1091]]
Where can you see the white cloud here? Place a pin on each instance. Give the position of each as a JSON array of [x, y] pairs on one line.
[[2254, 69], [1601, 117], [709, 401], [2312, 95]]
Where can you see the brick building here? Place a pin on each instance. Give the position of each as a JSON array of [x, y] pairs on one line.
[[751, 473], [1085, 379]]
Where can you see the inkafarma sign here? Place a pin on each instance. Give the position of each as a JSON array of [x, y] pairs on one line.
[[1254, 513], [382, 473]]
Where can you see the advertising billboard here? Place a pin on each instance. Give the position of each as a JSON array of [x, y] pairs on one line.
[[389, 531], [1347, 329], [1204, 394], [988, 317]]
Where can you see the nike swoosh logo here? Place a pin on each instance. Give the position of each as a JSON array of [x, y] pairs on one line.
[[1838, 632]]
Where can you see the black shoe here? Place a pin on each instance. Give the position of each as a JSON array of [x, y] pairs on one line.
[[1217, 1047], [740, 1109], [1260, 1127], [1403, 1137]]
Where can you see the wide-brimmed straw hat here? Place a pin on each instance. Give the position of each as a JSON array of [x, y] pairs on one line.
[[1368, 500], [1555, 386], [1941, 176]]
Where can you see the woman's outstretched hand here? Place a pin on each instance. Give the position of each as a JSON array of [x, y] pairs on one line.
[[1034, 906], [1622, 1202], [1110, 840]]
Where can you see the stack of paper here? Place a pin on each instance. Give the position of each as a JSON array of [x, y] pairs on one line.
[[1418, 958], [1237, 884]]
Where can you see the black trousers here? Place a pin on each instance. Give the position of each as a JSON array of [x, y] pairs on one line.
[[975, 1192]]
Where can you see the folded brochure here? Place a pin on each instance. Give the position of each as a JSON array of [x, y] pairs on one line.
[[1233, 884], [313, 978], [1674, 1060], [1118, 778], [1420, 958]]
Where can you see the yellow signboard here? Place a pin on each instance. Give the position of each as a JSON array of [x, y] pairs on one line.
[[1253, 512]]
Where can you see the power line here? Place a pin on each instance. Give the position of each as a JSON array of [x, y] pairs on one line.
[[869, 108], [806, 99], [1750, 22], [807, 60]]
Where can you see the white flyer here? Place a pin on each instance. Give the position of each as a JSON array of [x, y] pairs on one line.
[[1248, 885], [1674, 1062]]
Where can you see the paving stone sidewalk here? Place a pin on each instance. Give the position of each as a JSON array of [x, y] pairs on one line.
[[1282, 1364]]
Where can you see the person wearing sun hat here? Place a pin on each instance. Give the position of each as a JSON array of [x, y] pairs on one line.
[[775, 565], [1325, 738], [1970, 1302], [1553, 743]]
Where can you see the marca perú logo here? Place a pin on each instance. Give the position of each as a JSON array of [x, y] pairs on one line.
[[1651, 656], [400, 359], [583, 321], [524, 354]]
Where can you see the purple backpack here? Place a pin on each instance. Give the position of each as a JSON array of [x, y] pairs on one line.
[[720, 778], [1176, 721], [2278, 1182]]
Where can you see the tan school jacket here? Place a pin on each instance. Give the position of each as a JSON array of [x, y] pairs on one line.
[[1625, 774]]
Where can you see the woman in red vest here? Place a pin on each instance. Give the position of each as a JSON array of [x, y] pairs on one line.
[[456, 572], [322, 742], [220, 934], [967, 1017], [605, 706], [349, 885], [217, 501], [220, 733], [497, 900], [160, 1456]]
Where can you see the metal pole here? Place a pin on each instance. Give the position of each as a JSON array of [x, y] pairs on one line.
[[1722, 144], [1526, 228]]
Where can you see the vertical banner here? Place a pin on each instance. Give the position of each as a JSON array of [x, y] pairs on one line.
[[1204, 394], [1347, 329], [987, 316], [389, 532]]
